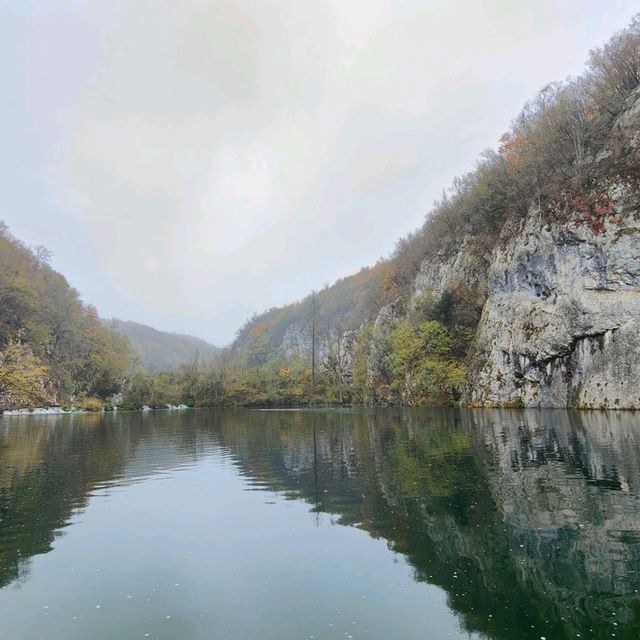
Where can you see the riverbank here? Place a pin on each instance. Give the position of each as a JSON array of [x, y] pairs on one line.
[[61, 410]]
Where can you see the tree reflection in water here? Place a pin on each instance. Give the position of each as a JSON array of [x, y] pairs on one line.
[[527, 519]]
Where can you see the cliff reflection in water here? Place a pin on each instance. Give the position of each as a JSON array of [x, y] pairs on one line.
[[527, 519]]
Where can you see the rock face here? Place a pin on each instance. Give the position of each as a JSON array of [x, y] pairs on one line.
[[334, 350], [466, 267], [561, 325], [296, 343], [346, 355]]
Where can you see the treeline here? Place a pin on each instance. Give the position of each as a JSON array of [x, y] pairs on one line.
[[419, 362], [53, 348]]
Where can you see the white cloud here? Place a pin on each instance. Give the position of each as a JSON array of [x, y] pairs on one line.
[[237, 202]]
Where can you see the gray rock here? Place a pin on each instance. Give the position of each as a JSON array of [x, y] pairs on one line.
[[561, 324], [466, 267]]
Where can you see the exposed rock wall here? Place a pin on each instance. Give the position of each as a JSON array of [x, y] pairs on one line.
[[296, 343], [561, 322], [346, 355], [561, 325], [466, 267], [334, 349]]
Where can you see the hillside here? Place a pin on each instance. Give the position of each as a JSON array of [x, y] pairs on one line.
[[283, 333], [521, 287], [156, 350], [53, 347]]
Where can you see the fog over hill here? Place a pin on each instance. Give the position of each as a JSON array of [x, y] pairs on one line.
[[161, 350]]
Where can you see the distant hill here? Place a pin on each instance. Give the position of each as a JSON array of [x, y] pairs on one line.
[[161, 350]]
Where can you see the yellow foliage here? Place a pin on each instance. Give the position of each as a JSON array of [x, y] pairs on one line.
[[22, 378], [89, 404]]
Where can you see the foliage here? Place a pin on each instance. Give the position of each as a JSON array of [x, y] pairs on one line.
[[422, 364], [89, 404], [362, 393], [71, 352], [457, 309], [22, 378], [154, 389]]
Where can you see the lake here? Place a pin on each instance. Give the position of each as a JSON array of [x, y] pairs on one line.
[[378, 524]]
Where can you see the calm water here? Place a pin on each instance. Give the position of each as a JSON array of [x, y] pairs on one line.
[[328, 524]]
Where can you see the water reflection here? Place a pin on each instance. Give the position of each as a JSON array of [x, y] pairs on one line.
[[529, 520]]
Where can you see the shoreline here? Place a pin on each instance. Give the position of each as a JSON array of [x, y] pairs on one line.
[[55, 411], [52, 411]]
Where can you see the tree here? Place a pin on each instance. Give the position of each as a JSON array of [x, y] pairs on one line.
[[422, 366], [23, 378], [614, 69]]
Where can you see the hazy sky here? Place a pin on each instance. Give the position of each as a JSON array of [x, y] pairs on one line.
[[190, 162]]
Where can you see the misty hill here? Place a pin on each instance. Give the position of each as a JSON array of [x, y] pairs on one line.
[[161, 350], [56, 350]]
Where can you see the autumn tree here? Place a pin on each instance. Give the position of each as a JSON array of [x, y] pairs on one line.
[[23, 378], [422, 364]]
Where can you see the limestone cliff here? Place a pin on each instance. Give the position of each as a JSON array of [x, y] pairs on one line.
[[561, 324], [529, 266], [560, 290], [467, 266]]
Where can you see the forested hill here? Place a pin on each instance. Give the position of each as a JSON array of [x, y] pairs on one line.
[[284, 332], [156, 350], [53, 347]]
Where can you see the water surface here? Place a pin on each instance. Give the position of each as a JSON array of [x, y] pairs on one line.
[[375, 524]]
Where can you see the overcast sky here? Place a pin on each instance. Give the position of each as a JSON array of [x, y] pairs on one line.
[[189, 162]]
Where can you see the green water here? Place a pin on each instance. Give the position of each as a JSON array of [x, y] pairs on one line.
[[375, 524]]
